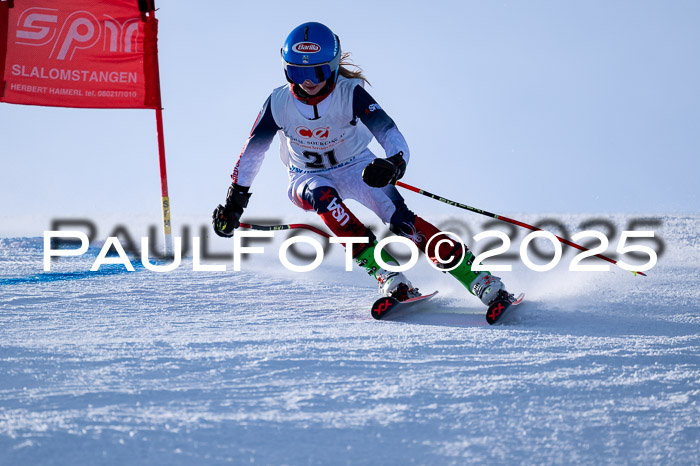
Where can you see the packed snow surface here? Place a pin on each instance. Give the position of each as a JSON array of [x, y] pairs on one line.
[[270, 366]]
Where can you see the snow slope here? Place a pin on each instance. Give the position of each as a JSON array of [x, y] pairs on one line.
[[274, 367]]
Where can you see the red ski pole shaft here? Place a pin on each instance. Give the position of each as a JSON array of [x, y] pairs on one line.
[[502, 218]]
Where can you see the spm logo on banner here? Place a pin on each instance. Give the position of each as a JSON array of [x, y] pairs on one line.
[[62, 54], [40, 27]]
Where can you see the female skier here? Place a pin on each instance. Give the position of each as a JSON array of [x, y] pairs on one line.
[[325, 119]]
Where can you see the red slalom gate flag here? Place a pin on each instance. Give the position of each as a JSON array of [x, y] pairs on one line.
[[79, 53], [85, 54]]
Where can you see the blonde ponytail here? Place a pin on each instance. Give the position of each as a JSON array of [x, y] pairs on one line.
[[356, 73]]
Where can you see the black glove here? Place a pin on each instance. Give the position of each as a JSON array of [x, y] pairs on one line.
[[226, 218], [381, 172]]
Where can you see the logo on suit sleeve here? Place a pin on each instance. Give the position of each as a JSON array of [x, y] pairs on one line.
[[372, 108]]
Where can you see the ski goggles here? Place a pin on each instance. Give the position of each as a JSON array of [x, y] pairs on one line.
[[316, 73]]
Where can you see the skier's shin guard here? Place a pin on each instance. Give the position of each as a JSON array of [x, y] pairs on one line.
[[342, 222], [464, 273], [445, 252], [337, 217], [366, 260]]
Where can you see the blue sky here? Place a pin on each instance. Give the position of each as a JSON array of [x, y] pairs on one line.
[[536, 107]]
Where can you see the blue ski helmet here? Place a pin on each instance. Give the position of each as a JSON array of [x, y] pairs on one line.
[[311, 52]]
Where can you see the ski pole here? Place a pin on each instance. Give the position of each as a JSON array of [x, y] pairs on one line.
[[502, 218], [292, 226]]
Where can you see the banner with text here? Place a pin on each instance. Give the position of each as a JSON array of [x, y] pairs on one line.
[[78, 53]]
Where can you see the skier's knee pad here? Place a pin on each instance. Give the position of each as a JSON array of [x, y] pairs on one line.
[[299, 199]]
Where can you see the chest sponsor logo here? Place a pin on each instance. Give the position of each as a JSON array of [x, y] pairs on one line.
[[318, 133]]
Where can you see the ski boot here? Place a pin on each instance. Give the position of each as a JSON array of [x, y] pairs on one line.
[[394, 284], [483, 285], [487, 287]]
